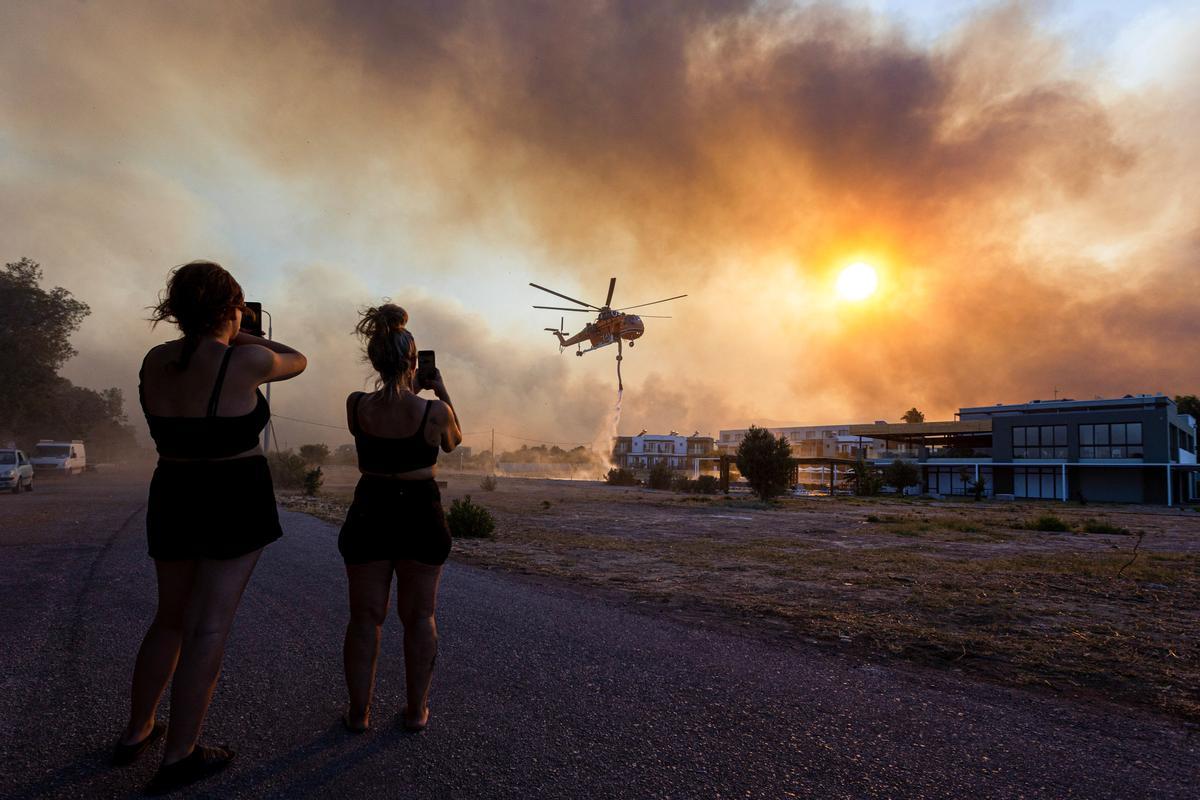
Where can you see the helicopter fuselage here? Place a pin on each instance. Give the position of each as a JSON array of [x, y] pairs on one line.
[[607, 328]]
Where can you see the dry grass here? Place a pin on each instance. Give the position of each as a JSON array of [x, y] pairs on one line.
[[965, 586]]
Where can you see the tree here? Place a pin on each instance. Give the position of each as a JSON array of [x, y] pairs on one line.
[[901, 474], [35, 339], [314, 453], [766, 462], [345, 454], [36, 325], [867, 480], [1188, 404], [913, 415]]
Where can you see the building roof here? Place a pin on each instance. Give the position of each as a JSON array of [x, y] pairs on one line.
[[1068, 404], [912, 431]]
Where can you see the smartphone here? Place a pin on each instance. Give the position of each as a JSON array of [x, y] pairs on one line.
[[426, 369], [252, 319]]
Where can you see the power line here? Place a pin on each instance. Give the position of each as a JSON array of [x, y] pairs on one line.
[[467, 433], [310, 422]]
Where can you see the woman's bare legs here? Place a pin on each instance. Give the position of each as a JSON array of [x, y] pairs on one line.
[[370, 585], [159, 652], [216, 591], [416, 603]]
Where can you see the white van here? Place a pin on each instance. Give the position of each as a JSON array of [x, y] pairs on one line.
[[59, 458]]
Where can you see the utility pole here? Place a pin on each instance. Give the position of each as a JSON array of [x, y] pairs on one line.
[[267, 430], [493, 451]]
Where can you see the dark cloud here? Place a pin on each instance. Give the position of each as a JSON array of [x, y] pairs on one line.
[[693, 145]]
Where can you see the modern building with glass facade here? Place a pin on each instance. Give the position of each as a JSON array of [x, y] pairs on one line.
[[1132, 449]]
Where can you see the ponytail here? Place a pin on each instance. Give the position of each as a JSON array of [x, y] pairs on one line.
[[390, 348]]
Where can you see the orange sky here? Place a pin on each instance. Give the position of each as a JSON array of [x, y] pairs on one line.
[[1032, 214]]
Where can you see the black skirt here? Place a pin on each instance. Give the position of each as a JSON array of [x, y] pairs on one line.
[[393, 520], [211, 509]]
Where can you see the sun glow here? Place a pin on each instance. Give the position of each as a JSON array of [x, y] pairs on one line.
[[857, 281]]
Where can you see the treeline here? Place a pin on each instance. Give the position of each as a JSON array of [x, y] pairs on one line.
[[36, 402]]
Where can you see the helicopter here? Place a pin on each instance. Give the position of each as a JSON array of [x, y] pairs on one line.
[[612, 325]]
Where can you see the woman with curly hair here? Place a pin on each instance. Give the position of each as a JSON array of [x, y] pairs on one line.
[[211, 509], [395, 524]]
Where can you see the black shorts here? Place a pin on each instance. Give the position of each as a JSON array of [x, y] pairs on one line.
[[393, 520], [211, 509]]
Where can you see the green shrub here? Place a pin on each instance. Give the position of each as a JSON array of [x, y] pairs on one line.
[[314, 453], [706, 484], [488, 484], [312, 481], [867, 478], [1048, 522], [288, 470], [620, 477], [1099, 526], [660, 477], [469, 520], [681, 482]]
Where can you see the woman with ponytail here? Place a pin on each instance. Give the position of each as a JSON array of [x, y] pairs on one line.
[[211, 509], [395, 525]]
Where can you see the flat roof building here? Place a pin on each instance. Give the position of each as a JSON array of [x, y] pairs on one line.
[[1131, 449], [693, 454]]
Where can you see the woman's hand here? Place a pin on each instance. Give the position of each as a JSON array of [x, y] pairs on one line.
[[439, 386]]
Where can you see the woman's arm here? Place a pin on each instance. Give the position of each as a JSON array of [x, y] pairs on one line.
[[273, 361], [451, 432]]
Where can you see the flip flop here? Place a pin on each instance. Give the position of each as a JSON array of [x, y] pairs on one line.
[[202, 762], [125, 754]]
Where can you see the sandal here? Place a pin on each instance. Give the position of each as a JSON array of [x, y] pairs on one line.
[[202, 762], [125, 754]]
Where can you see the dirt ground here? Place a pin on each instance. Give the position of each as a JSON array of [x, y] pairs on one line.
[[967, 586]]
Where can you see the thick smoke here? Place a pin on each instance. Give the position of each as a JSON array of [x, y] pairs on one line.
[[1030, 218]]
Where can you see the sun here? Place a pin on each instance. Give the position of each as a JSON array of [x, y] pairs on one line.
[[857, 281]]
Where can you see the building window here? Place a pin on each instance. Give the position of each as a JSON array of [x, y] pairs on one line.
[[1111, 440], [1039, 441], [956, 480], [1037, 482]]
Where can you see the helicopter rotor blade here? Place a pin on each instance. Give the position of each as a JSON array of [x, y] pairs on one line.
[[612, 284], [563, 296], [640, 305], [653, 316], [557, 308]]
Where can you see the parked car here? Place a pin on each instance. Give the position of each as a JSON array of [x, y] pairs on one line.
[[16, 473], [59, 458]]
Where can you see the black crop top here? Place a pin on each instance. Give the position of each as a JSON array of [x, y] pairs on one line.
[[391, 455], [209, 436]]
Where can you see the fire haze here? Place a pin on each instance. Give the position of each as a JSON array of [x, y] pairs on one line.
[[1029, 210]]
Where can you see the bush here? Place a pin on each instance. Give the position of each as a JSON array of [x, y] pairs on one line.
[[766, 462], [660, 477], [620, 477], [706, 484], [314, 453], [1099, 526], [867, 480], [312, 481], [469, 520], [680, 482], [288, 470], [1048, 522], [488, 484]]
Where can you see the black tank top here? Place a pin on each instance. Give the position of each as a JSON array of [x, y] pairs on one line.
[[209, 436], [392, 455]]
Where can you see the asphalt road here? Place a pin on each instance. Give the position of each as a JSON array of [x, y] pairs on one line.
[[541, 691]]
